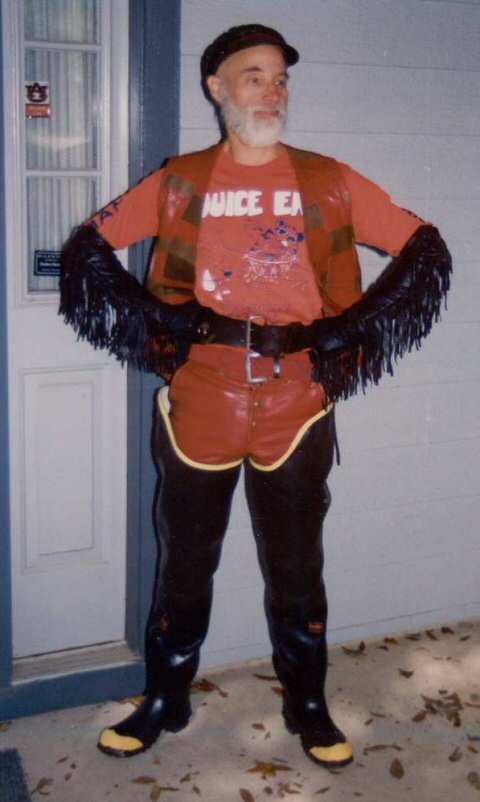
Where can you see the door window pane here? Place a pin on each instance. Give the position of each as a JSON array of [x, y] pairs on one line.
[[62, 21], [68, 139], [54, 206]]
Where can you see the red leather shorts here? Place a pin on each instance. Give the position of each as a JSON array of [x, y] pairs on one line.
[[219, 418]]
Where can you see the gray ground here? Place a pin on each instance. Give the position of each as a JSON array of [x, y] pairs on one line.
[[410, 704]]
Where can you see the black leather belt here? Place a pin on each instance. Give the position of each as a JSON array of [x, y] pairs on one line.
[[266, 340]]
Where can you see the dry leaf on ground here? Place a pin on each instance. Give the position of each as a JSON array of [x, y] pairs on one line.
[[396, 769], [405, 673], [381, 748], [474, 780], [268, 677], [45, 782], [456, 755], [267, 769], [246, 795], [204, 685], [144, 780]]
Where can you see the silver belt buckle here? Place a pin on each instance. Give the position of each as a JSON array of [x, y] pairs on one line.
[[251, 379]]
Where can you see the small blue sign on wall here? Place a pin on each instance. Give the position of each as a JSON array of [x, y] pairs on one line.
[[46, 263]]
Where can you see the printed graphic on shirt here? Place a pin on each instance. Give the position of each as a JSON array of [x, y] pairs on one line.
[[253, 257]]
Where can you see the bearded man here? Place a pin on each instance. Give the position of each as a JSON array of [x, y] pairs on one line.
[[253, 311]]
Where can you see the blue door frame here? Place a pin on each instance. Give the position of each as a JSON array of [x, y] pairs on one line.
[[154, 123]]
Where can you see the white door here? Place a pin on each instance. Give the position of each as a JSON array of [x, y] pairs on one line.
[[66, 105]]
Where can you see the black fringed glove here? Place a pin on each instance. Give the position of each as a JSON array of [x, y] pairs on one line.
[[395, 314], [107, 306]]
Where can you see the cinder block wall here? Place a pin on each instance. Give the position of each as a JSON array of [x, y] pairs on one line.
[[393, 89]]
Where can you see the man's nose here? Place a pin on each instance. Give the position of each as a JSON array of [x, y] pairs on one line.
[[273, 94]]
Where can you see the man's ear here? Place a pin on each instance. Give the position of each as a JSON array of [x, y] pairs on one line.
[[215, 88]]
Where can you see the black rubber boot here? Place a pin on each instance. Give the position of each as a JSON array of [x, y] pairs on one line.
[[288, 506], [192, 511]]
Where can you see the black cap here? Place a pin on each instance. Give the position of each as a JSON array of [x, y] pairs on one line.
[[239, 38]]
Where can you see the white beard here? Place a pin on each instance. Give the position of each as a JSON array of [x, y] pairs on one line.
[[250, 129]]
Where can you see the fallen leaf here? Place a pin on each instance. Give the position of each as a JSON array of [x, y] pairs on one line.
[[205, 686], [63, 759], [420, 716], [414, 636], [68, 776], [360, 650], [443, 691], [45, 782], [196, 790], [268, 677], [472, 749], [396, 769], [391, 640], [456, 755], [267, 769], [377, 715], [431, 634], [406, 674], [447, 631], [186, 778], [144, 780], [381, 748], [246, 795], [259, 727], [474, 780], [286, 788], [323, 790], [465, 637], [157, 790], [5, 725], [368, 721]]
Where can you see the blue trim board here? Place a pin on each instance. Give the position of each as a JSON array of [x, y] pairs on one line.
[[154, 107], [154, 135], [71, 690], [5, 571]]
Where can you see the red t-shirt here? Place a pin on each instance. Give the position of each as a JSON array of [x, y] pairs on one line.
[[252, 256]]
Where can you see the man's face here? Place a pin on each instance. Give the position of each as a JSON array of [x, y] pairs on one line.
[[251, 89]]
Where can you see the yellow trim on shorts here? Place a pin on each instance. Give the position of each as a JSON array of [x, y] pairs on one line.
[[274, 465], [164, 407]]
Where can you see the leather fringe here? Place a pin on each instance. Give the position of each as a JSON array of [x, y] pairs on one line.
[[394, 316], [110, 309]]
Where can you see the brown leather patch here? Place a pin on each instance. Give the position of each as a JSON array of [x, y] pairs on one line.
[[193, 212], [179, 269], [342, 239], [312, 217]]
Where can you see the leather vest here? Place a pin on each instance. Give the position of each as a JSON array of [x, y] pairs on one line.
[[326, 216]]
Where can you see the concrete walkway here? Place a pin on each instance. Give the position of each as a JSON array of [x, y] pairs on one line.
[[410, 704]]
